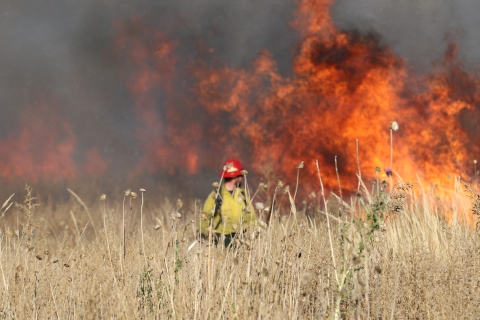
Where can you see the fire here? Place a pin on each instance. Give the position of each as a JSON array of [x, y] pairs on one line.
[[345, 87], [43, 149], [191, 111]]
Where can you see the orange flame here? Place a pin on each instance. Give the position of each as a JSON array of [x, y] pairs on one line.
[[43, 149], [345, 86]]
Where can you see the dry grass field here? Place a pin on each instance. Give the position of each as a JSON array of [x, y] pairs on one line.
[[386, 256]]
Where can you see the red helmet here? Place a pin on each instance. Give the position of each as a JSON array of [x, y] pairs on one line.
[[231, 169]]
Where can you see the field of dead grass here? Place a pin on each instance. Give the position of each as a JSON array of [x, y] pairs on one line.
[[57, 262]]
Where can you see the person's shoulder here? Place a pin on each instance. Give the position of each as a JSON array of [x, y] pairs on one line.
[[210, 196]]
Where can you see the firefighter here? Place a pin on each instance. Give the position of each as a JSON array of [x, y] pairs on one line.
[[227, 211]]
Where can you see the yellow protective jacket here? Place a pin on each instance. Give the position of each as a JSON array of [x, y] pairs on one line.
[[235, 214]]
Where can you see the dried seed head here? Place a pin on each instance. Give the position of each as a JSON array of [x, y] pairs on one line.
[[179, 203], [228, 166], [301, 165], [103, 197], [46, 252], [259, 206], [156, 227], [178, 214], [133, 194], [279, 184], [127, 193], [262, 186], [150, 256], [377, 169], [142, 190], [244, 172], [286, 190], [215, 185], [66, 265], [55, 261], [69, 279], [394, 125]]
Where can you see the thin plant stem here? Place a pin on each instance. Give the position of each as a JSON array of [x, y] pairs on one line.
[[86, 209], [339, 186], [141, 229], [328, 222], [391, 148], [391, 157], [296, 186], [123, 226], [358, 164]]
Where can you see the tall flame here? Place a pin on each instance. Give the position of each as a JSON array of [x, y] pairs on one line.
[[192, 111]]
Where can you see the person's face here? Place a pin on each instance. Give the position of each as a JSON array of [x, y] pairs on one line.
[[238, 181]]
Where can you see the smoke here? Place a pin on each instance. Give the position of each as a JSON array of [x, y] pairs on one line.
[[418, 30], [60, 56], [64, 57]]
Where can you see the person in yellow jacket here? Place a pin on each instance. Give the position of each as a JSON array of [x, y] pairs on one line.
[[227, 210]]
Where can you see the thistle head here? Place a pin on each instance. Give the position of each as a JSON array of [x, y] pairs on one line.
[[388, 172], [394, 125]]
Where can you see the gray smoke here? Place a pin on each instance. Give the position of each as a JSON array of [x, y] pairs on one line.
[[418, 30], [61, 53]]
